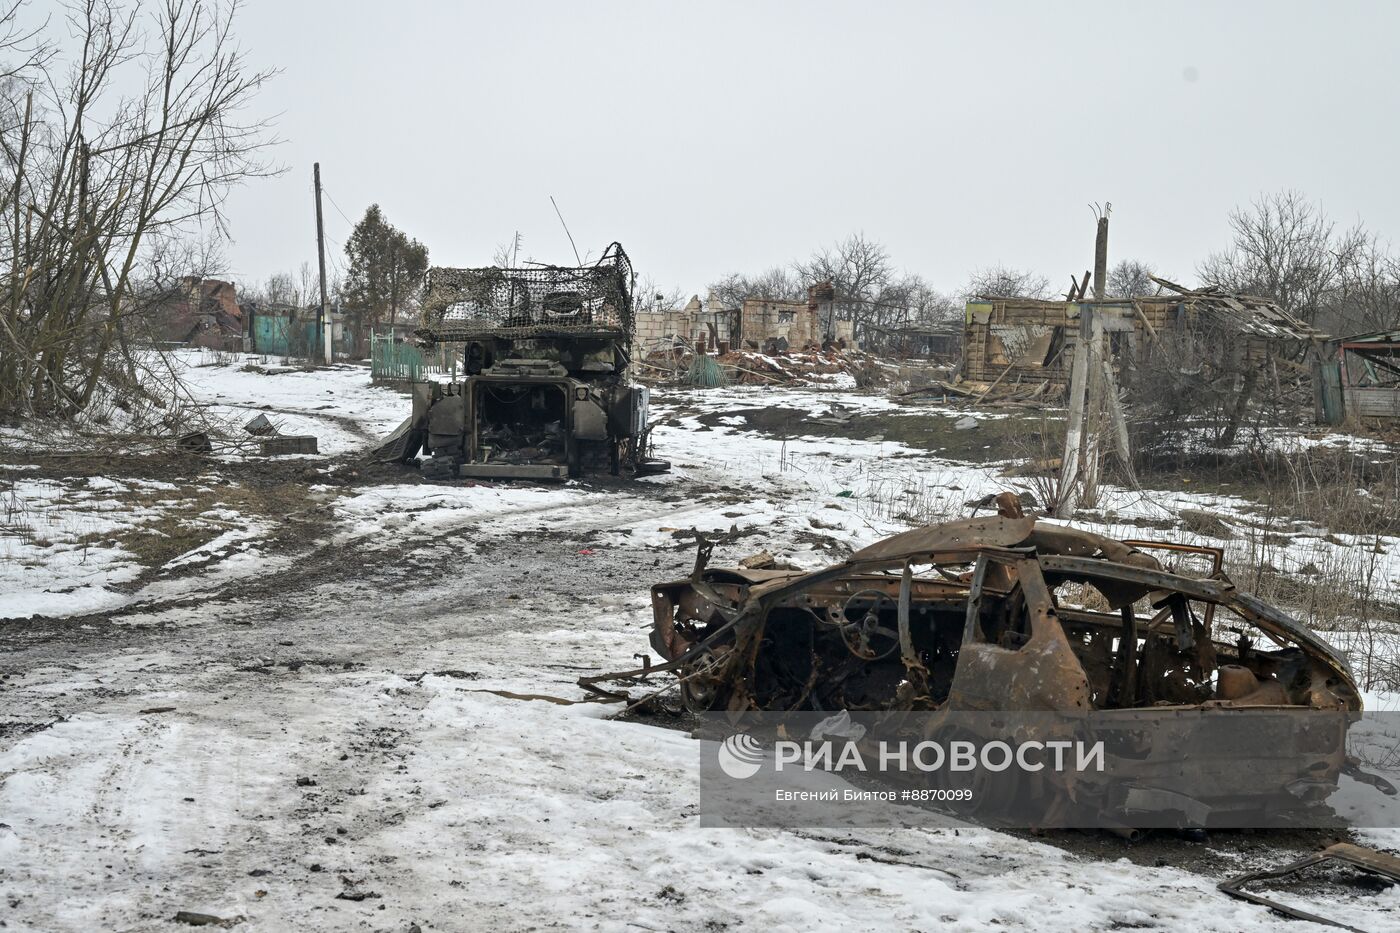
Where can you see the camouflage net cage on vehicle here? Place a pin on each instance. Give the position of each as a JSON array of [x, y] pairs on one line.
[[545, 301], [540, 388]]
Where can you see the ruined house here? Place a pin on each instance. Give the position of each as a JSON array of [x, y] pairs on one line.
[[202, 313], [695, 323], [1021, 340], [937, 340], [778, 324], [765, 324], [1359, 378]]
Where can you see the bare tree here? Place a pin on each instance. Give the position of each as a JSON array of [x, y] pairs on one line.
[[507, 254], [308, 288], [280, 289], [1006, 282], [1131, 279], [731, 290], [1367, 294], [912, 300], [651, 297], [111, 162], [859, 268], [1284, 248]]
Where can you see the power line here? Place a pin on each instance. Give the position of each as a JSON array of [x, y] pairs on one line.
[[337, 207]]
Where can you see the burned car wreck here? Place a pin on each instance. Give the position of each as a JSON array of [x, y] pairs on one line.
[[1005, 613]]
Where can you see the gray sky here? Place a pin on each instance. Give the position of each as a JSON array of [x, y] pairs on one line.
[[713, 137]]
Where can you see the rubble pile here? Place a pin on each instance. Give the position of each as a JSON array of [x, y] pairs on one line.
[[789, 367]]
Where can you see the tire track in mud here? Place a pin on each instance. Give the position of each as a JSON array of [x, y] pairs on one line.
[[344, 422]]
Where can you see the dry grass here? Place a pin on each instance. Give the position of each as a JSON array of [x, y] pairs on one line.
[[1322, 541]]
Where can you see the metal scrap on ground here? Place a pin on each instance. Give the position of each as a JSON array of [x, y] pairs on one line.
[[1367, 860]]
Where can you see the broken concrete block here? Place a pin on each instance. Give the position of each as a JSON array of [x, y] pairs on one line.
[[282, 445]]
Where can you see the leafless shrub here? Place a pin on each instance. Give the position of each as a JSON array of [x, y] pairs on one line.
[[1320, 544]]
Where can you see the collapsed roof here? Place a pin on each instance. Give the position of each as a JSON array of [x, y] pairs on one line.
[[1250, 314]]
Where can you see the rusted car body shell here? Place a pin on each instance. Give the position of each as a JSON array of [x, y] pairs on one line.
[[985, 625]]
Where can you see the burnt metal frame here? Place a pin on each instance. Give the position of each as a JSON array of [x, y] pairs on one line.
[[1368, 860]]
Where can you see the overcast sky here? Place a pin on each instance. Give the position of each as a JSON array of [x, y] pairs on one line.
[[712, 137]]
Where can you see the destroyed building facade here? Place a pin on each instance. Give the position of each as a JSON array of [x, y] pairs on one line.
[[759, 323], [202, 313], [1016, 340]]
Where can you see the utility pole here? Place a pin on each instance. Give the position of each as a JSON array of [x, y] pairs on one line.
[[1097, 389], [1090, 380], [1101, 255], [322, 315]]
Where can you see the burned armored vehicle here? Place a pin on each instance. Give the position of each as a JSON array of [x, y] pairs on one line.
[[1149, 643], [544, 391]]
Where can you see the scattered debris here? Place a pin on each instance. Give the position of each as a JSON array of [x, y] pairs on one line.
[[352, 891], [778, 367], [283, 445], [1007, 504], [1206, 524], [1368, 860], [194, 919], [260, 427], [196, 442], [760, 561]]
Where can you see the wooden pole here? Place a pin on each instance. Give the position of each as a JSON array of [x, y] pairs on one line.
[[1093, 413], [1079, 467], [1095, 403], [1120, 422], [1074, 425]]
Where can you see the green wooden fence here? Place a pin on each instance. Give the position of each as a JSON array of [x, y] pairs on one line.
[[396, 360], [284, 335]]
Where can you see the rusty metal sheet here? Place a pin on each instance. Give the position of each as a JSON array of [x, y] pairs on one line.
[[995, 531]]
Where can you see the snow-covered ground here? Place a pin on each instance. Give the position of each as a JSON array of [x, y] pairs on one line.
[[338, 405], [365, 734]]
